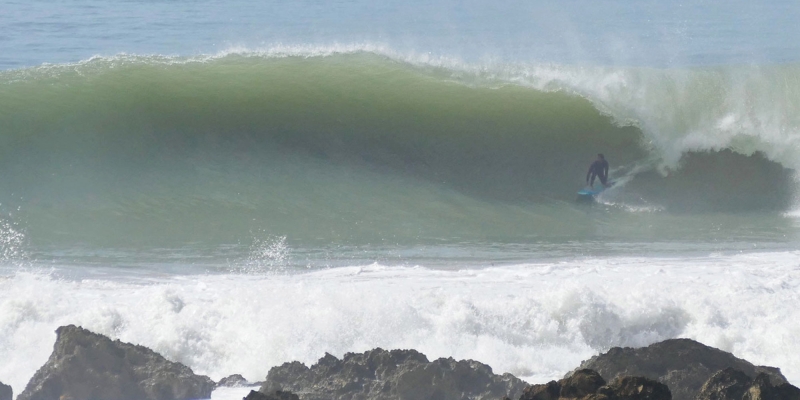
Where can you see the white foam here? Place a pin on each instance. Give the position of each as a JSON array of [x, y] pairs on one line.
[[234, 393], [537, 321]]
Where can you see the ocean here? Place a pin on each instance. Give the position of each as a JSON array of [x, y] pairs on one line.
[[241, 184]]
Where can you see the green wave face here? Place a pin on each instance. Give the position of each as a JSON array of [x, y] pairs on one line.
[[352, 147]]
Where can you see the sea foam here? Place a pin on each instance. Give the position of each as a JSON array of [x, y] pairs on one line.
[[537, 321]]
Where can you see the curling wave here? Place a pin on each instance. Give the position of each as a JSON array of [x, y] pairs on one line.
[[330, 138]]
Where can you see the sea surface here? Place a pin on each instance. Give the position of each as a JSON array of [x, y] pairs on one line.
[[240, 184]]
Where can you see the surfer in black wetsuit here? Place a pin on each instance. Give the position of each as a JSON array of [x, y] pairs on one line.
[[598, 169]]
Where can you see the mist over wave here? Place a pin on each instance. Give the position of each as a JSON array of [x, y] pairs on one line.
[[313, 141]]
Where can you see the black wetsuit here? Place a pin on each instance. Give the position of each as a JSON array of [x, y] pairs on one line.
[[599, 169]]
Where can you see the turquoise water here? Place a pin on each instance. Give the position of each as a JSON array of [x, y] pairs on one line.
[[240, 184]]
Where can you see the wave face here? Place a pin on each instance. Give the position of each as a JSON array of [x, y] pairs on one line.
[[342, 142]]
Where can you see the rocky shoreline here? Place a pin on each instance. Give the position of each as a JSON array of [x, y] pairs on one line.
[[89, 366]]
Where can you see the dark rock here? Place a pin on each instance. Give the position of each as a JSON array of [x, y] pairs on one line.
[[762, 389], [85, 365], [5, 392], [636, 388], [392, 375], [728, 384], [582, 383], [549, 391], [235, 380], [684, 365], [774, 374], [586, 384], [785, 391], [277, 395]]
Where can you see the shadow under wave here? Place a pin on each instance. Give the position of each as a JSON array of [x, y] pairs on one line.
[[719, 181]]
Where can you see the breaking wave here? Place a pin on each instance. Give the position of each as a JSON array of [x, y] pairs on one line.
[[346, 138]]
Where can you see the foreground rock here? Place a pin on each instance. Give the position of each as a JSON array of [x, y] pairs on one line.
[[278, 395], [635, 388], [684, 365], [732, 384], [589, 385], [392, 375], [5, 392], [85, 365]]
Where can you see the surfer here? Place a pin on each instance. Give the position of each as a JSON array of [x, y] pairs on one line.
[[598, 169]]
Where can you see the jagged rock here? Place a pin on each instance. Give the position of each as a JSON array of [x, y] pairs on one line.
[[86, 365], [762, 389], [731, 384], [277, 395], [581, 384], [773, 373], [392, 375], [236, 380], [586, 384], [728, 384], [684, 365], [5, 392], [548, 391], [636, 388]]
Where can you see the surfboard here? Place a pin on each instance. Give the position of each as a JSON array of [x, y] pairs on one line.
[[588, 193]]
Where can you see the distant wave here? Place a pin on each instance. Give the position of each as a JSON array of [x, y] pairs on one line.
[[330, 132]]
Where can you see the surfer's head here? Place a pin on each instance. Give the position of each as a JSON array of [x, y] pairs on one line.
[[600, 156]]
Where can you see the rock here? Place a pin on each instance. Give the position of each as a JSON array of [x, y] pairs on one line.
[[86, 365], [732, 384], [391, 375], [586, 384], [278, 395], [636, 388], [684, 365], [582, 383], [236, 380], [728, 384], [549, 391], [773, 373], [762, 389], [5, 392]]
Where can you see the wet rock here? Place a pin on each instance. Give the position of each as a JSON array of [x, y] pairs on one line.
[[392, 375], [580, 384], [277, 395], [684, 365], [762, 389], [636, 388], [586, 384], [5, 392], [86, 365], [728, 384], [236, 380], [731, 384], [548, 391]]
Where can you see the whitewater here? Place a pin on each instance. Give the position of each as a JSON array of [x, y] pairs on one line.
[[240, 185]]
